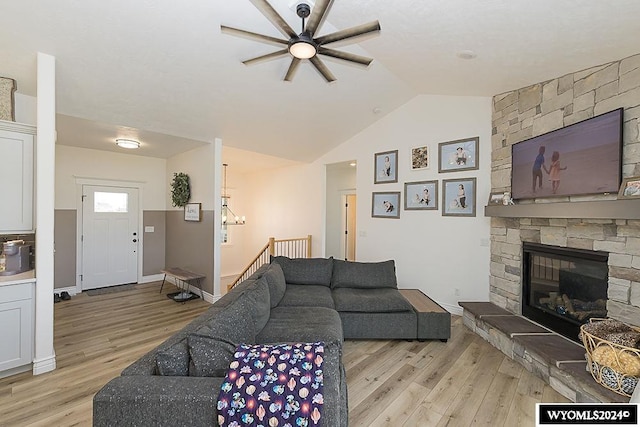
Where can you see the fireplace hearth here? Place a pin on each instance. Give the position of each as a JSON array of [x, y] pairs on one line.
[[563, 287]]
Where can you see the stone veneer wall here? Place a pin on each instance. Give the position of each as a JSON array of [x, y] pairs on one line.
[[543, 107]]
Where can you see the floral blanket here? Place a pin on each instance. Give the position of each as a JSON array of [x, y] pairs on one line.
[[273, 385]]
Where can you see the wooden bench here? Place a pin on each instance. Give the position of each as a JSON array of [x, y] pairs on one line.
[[184, 278], [434, 322]]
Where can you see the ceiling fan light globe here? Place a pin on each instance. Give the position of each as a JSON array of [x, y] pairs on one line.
[[302, 49]]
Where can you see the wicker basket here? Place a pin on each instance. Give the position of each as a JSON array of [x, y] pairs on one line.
[[612, 365]]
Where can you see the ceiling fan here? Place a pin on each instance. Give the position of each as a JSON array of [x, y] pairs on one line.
[[305, 45]]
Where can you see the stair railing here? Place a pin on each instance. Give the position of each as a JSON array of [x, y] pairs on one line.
[[292, 248]]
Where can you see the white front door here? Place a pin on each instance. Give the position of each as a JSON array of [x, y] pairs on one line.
[[110, 236]]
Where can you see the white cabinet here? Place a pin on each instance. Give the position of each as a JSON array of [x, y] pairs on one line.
[[16, 318], [16, 177]]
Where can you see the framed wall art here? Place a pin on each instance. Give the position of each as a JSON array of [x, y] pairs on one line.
[[421, 195], [192, 212], [385, 204], [459, 197], [385, 167], [630, 188], [420, 158], [496, 198], [458, 155]]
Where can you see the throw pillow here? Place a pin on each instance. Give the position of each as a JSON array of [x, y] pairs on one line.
[[210, 357], [173, 361], [349, 274], [306, 271]]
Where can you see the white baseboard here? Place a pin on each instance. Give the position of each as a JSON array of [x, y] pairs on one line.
[[210, 298], [42, 366], [453, 309], [152, 278]]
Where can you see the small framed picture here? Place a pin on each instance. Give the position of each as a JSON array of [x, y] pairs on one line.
[[421, 195], [630, 188], [458, 155], [192, 212], [420, 158], [385, 204], [385, 167], [459, 197], [495, 199]]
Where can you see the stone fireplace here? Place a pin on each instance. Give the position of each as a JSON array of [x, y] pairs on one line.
[[599, 223], [562, 287]]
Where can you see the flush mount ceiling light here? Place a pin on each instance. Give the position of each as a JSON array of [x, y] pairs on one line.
[[129, 144]]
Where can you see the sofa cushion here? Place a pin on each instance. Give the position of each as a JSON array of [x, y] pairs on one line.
[[306, 271], [277, 284], [349, 274], [301, 324], [307, 296], [258, 302], [370, 300], [210, 357], [173, 361], [235, 322]]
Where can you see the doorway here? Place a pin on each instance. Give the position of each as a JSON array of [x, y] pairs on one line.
[[110, 237], [340, 214]]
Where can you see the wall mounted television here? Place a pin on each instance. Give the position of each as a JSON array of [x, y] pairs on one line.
[[582, 158]]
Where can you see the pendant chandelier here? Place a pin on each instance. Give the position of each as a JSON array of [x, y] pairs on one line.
[[228, 217]]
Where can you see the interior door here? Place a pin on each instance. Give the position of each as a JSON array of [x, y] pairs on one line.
[[349, 221], [110, 236]]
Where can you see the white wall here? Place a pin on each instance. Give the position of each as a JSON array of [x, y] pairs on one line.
[[25, 109], [434, 253], [235, 255], [199, 165], [72, 162]]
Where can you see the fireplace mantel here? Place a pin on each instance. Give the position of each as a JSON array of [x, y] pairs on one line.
[[599, 209]]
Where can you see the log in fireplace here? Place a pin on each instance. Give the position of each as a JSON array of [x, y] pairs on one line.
[[564, 287]]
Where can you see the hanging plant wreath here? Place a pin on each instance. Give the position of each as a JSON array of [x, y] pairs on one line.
[[180, 190]]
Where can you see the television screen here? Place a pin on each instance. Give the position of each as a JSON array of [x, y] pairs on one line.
[[583, 158]]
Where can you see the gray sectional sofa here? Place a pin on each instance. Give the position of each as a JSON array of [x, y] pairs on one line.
[[288, 300]]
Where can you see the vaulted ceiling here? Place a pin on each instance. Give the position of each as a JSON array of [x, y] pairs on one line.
[[162, 70]]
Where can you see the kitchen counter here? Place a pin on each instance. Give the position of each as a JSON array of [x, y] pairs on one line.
[[26, 277]]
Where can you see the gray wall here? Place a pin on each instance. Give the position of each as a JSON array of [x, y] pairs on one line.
[[64, 267], [189, 245], [153, 243]]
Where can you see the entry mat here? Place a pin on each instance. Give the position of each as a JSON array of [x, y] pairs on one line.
[[111, 290]]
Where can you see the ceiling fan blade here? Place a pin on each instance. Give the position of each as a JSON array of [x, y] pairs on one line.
[[253, 36], [275, 18], [322, 69], [318, 15], [345, 56], [360, 30], [267, 57], [292, 70]]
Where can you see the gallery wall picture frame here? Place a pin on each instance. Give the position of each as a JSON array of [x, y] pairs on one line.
[[496, 198], [420, 158], [385, 167], [458, 155], [459, 197], [421, 195], [385, 204], [630, 188], [192, 212]]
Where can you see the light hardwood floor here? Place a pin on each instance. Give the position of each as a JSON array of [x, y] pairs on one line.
[[394, 383]]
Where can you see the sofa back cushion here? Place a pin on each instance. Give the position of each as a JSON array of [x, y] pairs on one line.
[[258, 303], [364, 275], [277, 283], [173, 361], [235, 322], [306, 271]]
